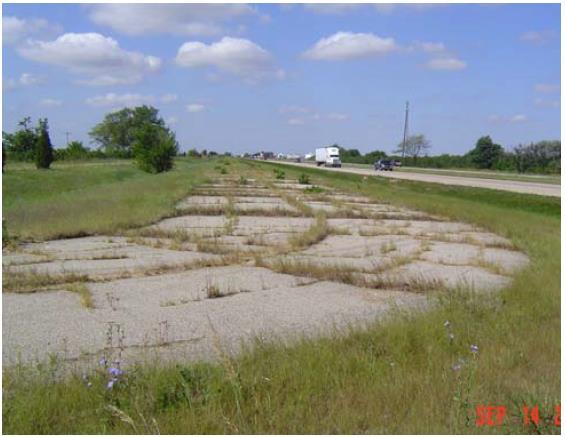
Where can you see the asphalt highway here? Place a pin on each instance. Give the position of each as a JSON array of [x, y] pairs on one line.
[[466, 181]]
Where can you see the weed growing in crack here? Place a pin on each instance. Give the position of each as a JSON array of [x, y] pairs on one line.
[[387, 247], [83, 291]]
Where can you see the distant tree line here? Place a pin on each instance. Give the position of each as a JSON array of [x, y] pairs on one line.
[[540, 157], [137, 133], [131, 133], [29, 144]]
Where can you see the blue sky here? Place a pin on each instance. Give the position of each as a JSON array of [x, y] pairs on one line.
[[289, 78]]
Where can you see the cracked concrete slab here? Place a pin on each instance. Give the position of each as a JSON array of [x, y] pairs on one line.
[[356, 246], [138, 260], [198, 224], [250, 225], [16, 258], [451, 276], [403, 255], [192, 330]]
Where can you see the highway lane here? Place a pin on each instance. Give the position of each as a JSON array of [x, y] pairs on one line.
[[541, 189]]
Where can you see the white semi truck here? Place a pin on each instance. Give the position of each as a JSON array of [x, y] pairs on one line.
[[329, 156]]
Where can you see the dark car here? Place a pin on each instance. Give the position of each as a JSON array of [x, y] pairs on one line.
[[383, 164]]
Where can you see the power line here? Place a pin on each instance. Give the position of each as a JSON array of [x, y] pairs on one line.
[[406, 130]]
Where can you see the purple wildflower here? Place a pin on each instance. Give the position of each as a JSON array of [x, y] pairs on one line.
[[103, 361], [111, 383], [114, 371], [459, 364], [474, 348]]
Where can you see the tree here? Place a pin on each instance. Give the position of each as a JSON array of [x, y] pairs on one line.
[[415, 146], [193, 153], [75, 150], [543, 157], [43, 147], [486, 153], [115, 134], [376, 155], [21, 144], [154, 147], [346, 155]]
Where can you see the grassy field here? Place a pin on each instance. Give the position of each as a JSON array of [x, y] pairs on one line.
[[481, 174], [400, 376], [74, 199]]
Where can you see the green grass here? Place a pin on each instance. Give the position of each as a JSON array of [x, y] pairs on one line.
[[397, 376], [91, 198]]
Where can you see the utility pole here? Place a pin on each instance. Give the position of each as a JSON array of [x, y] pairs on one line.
[[67, 136], [406, 130]]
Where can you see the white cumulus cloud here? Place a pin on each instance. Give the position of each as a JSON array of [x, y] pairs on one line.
[[237, 56], [431, 47], [100, 59], [446, 63], [538, 37], [195, 107], [332, 8], [337, 116], [295, 121], [119, 100], [519, 118], [388, 8], [514, 119], [16, 29], [177, 19], [348, 45], [51, 102], [169, 98], [25, 79], [294, 109]]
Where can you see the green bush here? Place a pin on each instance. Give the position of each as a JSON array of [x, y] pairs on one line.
[[154, 148], [279, 174], [43, 147], [304, 179], [21, 144]]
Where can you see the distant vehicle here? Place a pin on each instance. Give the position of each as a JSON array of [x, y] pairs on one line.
[[329, 156], [383, 165], [397, 163]]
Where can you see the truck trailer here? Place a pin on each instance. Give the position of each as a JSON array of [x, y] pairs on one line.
[[328, 156]]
